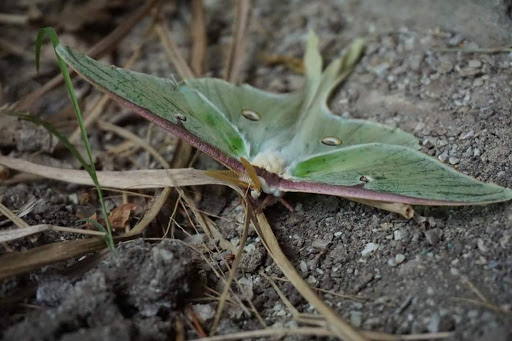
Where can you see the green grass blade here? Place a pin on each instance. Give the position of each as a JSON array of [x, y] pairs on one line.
[[93, 222], [63, 139], [52, 35]]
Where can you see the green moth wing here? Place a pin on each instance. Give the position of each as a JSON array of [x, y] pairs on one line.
[[396, 169], [293, 125], [213, 109], [181, 108], [293, 140]]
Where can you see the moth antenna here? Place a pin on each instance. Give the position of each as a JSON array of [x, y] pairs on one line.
[[251, 172], [230, 176]]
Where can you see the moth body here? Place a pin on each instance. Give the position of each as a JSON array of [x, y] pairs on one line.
[[275, 191], [273, 162]]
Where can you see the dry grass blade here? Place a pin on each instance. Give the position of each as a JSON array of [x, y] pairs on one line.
[[196, 322], [172, 51], [6, 236], [275, 332], [134, 139], [21, 177], [151, 214], [9, 235], [237, 51], [13, 217], [16, 263], [12, 48], [137, 179], [315, 331], [198, 28], [100, 49], [14, 19], [295, 313], [474, 289], [227, 285], [340, 327], [486, 305], [180, 329]]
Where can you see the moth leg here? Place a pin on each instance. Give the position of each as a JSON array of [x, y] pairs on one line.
[[271, 200], [285, 204]]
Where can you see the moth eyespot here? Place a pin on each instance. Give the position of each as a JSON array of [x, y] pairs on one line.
[[181, 118], [251, 115], [331, 141], [365, 178]]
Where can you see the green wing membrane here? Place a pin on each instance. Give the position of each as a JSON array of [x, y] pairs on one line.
[[290, 128], [176, 103], [398, 170], [316, 121], [277, 112], [213, 108]]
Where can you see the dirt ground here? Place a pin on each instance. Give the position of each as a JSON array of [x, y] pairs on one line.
[[398, 276]]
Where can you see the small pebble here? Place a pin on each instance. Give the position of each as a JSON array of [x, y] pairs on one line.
[[478, 82], [205, 312], [433, 325], [443, 156], [369, 248], [453, 160], [321, 243], [468, 71], [481, 246], [356, 318], [432, 236], [467, 135], [473, 63], [419, 126], [381, 68], [399, 258]]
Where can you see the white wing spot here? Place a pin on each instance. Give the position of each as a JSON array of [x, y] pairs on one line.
[[251, 115], [331, 141]]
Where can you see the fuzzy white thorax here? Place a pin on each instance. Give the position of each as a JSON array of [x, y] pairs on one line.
[[272, 162], [268, 189]]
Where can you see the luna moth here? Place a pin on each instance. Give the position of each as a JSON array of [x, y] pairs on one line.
[[293, 141]]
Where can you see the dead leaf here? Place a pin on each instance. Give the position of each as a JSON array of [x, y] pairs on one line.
[[4, 173], [120, 215], [90, 226]]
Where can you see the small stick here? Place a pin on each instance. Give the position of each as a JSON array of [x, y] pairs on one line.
[[404, 209]]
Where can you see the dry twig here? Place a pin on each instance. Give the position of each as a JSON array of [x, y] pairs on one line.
[[237, 51]]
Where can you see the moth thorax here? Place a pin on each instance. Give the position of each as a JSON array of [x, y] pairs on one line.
[[272, 162], [268, 189]]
